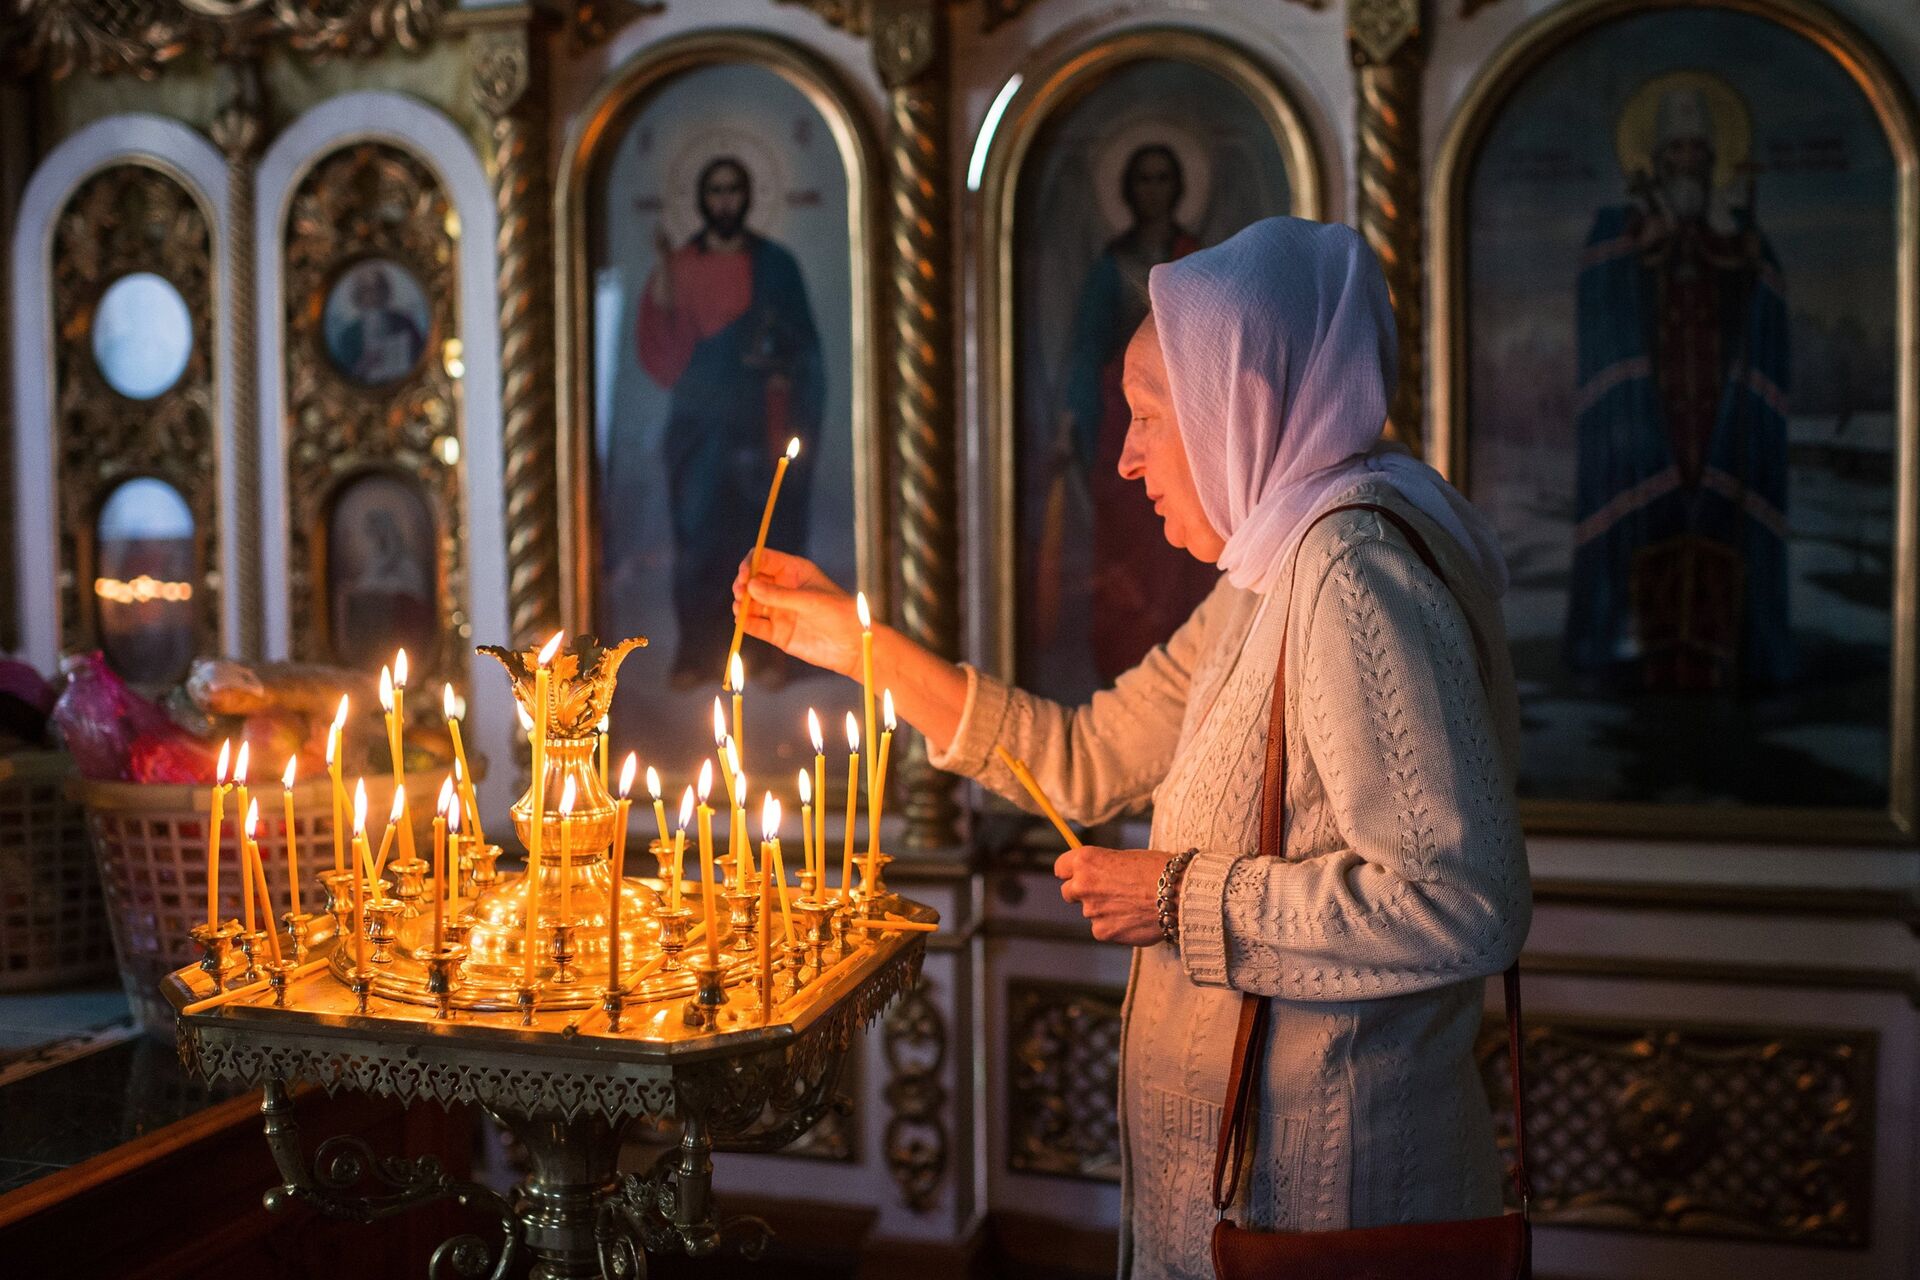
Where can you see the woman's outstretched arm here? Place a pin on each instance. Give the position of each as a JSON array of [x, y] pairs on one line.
[[1093, 761]]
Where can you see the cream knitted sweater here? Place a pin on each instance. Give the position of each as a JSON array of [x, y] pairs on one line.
[[1404, 882]]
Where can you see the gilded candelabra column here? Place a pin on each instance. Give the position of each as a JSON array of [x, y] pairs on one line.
[[1388, 42], [910, 49], [508, 87], [239, 130]]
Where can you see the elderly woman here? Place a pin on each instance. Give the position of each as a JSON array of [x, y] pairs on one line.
[[1259, 387]]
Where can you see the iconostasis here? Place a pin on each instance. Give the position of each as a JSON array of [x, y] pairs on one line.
[[342, 328]]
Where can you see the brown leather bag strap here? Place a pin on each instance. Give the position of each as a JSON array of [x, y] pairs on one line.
[[1250, 1037]]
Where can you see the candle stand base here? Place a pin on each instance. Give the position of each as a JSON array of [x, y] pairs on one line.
[[362, 987], [277, 982], [614, 1001], [304, 928], [251, 942]]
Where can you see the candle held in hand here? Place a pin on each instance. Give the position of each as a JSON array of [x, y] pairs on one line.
[[760, 540]]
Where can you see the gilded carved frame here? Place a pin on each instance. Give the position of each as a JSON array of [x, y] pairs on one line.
[[1523, 53], [370, 198], [1053, 88], [103, 438], [625, 91]]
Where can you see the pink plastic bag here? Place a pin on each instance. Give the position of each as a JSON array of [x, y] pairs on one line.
[[90, 717]]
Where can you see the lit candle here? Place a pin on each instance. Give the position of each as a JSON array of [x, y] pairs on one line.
[[877, 798], [775, 870], [820, 789], [765, 956], [706, 862], [866, 678], [720, 737], [394, 744], [541, 680], [737, 843], [853, 805], [760, 540], [336, 741], [293, 856], [364, 859], [453, 856], [659, 809], [215, 821], [240, 762], [806, 823], [396, 822], [245, 820], [624, 807], [446, 805], [737, 682], [252, 867], [393, 698], [604, 727], [566, 851], [463, 774], [680, 846]]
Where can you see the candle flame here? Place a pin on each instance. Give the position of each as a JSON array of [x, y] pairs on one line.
[[447, 702], [793, 448], [769, 817], [653, 777], [550, 648], [453, 819], [386, 687], [459, 770], [686, 808], [719, 722], [253, 816], [860, 607], [240, 764], [359, 806], [293, 767], [806, 787], [886, 704], [736, 674], [220, 770], [813, 731], [566, 796], [526, 721], [340, 715], [446, 797], [706, 779], [400, 669], [399, 803], [733, 755], [853, 733], [740, 788], [333, 741]]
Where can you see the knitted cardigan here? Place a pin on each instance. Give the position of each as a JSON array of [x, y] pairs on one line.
[[1403, 883]]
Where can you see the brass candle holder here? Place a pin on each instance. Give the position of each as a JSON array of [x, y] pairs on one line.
[[252, 941], [477, 864], [383, 927], [563, 971], [674, 926], [873, 897], [277, 975], [818, 916], [217, 958], [302, 928], [796, 964], [409, 884], [743, 912], [703, 1009], [361, 984], [443, 972], [338, 886]]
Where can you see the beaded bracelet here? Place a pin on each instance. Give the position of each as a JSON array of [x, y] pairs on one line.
[[1165, 897]]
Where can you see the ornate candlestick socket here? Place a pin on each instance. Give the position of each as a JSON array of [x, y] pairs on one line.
[[250, 944], [362, 986], [339, 890], [796, 950], [300, 928], [809, 883], [443, 974], [663, 858], [819, 917], [614, 1001], [563, 971], [526, 999], [703, 1007], [277, 975], [481, 873], [743, 909], [383, 927], [873, 898], [216, 950], [674, 925], [409, 883], [455, 929], [843, 917]]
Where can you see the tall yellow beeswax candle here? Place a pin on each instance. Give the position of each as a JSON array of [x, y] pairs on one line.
[[215, 801], [820, 790], [760, 540], [866, 680], [706, 864], [293, 855], [853, 806]]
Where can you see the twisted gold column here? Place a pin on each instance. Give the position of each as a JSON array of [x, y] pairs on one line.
[[239, 130], [909, 43], [504, 90], [1389, 57]]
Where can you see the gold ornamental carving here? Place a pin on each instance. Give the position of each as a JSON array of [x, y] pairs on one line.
[[1063, 1058], [504, 72], [371, 200], [1755, 1132], [125, 219], [913, 1040], [239, 130]]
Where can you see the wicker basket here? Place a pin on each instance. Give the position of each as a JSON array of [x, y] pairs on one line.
[[151, 843], [53, 928]]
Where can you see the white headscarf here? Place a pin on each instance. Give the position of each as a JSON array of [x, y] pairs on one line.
[[1280, 349]]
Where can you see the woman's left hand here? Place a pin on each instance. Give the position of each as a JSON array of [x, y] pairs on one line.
[[1117, 889]]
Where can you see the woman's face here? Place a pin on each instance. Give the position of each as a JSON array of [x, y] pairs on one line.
[[1154, 453]]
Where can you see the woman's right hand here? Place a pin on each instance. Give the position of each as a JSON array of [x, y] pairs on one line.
[[792, 605]]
